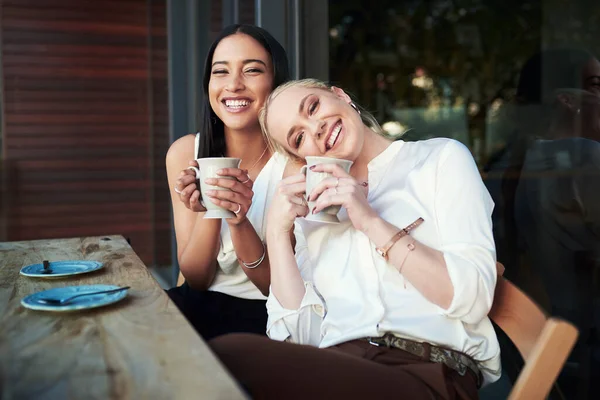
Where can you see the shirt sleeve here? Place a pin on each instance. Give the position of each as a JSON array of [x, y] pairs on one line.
[[464, 221], [302, 326]]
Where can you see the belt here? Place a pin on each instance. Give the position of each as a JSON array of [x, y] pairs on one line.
[[453, 359]]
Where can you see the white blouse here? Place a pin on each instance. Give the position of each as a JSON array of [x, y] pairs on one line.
[[352, 292], [230, 278]]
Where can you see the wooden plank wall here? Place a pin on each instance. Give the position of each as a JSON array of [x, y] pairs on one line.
[[85, 121]]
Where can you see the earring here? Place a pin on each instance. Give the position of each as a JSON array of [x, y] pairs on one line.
[[579, 111], [355, 107]]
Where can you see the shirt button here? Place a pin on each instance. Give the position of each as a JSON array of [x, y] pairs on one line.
[[318, 309]]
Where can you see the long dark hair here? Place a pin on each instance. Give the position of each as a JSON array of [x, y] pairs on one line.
[[212, 129], [540, 77]]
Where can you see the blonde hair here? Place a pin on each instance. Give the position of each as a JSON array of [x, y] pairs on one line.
[[367, 118]]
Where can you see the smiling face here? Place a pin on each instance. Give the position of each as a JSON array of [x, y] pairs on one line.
[[315, 122], [241, 79]]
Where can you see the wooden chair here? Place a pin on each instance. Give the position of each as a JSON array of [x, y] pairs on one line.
[[544, 342]]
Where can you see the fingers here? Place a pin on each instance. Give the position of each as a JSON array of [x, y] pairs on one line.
[[237, 208], [187, 190], [329, 198], [294, 189], [239, 174], [194, 203], [300, 210], [336, 196], [231, 184], [297, 206], [185, 180], [329, 183], [232, 197], [294, 179]]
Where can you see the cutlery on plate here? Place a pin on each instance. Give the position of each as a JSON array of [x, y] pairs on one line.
[[49, 300]]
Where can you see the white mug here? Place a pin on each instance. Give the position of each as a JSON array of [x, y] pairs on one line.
[[208, 168], [328, 214]]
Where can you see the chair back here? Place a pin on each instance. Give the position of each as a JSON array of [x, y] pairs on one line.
[[544, 343]]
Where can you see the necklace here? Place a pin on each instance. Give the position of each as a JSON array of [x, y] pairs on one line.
[[259, 158]]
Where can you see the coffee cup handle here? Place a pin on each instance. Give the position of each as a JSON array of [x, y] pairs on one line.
[[196, 170]]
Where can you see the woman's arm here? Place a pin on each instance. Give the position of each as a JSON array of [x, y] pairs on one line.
[[249, 248], [460, 277], [198, 239], [423, 267], [286, 281], [294, 306], [246, 242]]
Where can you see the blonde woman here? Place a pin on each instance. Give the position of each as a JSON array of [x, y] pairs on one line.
[[392, 301]]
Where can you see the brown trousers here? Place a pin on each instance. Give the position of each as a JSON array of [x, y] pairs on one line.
[[353, 370]]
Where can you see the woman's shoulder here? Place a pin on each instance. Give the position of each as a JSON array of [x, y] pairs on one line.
[[182, 148]]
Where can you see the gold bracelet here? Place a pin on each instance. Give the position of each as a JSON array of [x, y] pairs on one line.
[[411, 247], [383, 251]]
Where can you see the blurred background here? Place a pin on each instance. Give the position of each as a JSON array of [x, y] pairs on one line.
[[94, 91]]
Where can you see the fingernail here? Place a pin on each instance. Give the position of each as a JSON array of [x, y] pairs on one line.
[[210, 192], [312, 167], [314, 211], [219, 171]]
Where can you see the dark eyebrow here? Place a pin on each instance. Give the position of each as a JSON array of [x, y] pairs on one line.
[[293, 128], [248, 61]]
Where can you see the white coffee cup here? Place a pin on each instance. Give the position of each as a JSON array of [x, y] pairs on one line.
[[328, 214], [208, 168]]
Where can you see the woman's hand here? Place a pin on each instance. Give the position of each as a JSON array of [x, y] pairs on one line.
[[239, 197], [287, 204], [186, 186], [342, 189]]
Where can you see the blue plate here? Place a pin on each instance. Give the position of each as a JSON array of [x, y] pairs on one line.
[[80, 303], [61, 268]]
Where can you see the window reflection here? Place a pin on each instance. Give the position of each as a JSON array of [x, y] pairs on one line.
[[519, 84]]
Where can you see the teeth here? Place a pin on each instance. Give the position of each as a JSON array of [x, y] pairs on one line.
[[334, 135], [236, 103]]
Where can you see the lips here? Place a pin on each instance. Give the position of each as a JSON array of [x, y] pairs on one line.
[[333, 136]]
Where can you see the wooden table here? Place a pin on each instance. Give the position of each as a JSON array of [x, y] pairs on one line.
[[139, 348]]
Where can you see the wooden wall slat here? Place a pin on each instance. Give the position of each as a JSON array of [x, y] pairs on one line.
[[86, 121]]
